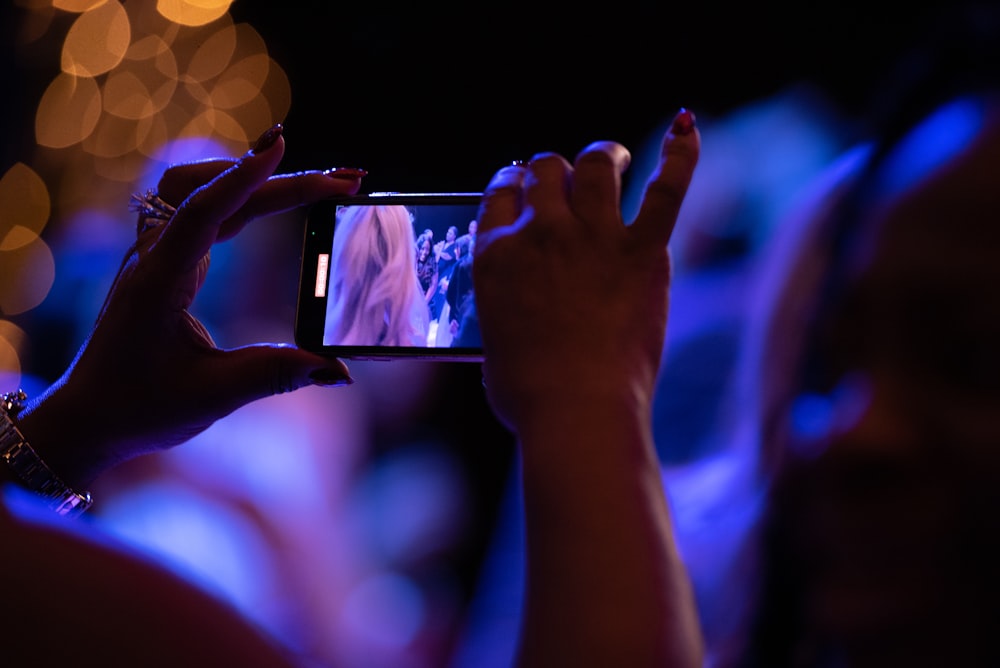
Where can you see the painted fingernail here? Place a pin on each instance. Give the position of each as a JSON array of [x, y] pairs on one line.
[[347, 173], [266, 140], [328, 377], [684, 122]]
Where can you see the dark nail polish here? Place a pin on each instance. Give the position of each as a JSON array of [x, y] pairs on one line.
[[346, 173], [329, 378], [266, 140], [684, 122]]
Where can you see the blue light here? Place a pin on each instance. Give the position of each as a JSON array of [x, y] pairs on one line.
[[937, 139]]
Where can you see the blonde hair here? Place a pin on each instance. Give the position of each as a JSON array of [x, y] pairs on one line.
[[374, 294]]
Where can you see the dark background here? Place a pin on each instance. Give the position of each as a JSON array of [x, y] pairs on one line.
[[427, 98], [436, 97]]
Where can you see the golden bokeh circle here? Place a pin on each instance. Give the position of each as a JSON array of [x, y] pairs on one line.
[[97, 41], [190, 13], [24, 198], [26, 273], [68, 112]]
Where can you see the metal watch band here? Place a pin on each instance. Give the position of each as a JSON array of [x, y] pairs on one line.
[[29, 467]]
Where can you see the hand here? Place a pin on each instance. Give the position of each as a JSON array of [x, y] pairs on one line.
[[573, 309], [572, 301], [149, 376]]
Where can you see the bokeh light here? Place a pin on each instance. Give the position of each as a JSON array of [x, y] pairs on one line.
[[68, 111], [26, 263], [137, 86], [145, 81], [76, 6], [193, 13], [97, 40], [12, 339], [132, 87], [25, 199], [29, 271], [133, 80], [127, 89]]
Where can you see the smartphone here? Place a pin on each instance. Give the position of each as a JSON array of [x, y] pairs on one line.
[[388, 275]]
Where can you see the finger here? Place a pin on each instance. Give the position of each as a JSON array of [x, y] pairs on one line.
[[262, 370], [546, 186], [669, 182], [195, 226], [174, 186], [501, 204], [596, 190], [284, 192], [179, 181]]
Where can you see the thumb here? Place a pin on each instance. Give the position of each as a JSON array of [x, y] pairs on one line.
[[264, 369]]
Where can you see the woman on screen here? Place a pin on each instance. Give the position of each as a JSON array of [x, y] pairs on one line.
[[374, 294]]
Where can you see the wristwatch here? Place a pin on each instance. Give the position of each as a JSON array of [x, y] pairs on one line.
[[34, 473]]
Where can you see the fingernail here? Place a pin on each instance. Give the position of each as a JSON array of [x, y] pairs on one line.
[[266, 140], [346, 173], [684, 122], [328, 377]]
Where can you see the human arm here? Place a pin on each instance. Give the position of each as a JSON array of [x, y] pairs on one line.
[[80, 597], [573, 341], [149, 375]]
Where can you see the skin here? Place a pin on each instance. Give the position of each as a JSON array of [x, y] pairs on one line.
[[149, 377], [148, 356], [605, 582], [575, 385]]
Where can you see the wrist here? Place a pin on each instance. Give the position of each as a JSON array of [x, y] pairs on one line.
[[589, 419], [25, 466], [65, 431]]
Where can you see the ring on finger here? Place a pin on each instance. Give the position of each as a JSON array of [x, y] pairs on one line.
[[152, 209]]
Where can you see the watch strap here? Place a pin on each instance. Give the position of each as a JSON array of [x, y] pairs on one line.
[[29, 467]]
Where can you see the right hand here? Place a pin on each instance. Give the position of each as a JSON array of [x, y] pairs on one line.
[[572, 301]]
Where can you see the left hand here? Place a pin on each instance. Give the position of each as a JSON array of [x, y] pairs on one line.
[[150, 376]]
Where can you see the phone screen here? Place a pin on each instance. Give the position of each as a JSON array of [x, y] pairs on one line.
[[389, 275]]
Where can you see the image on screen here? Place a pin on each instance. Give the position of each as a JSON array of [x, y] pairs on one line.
[[400, 275]]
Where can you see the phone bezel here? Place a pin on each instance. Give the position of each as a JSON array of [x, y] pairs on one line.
[[310, 311]]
